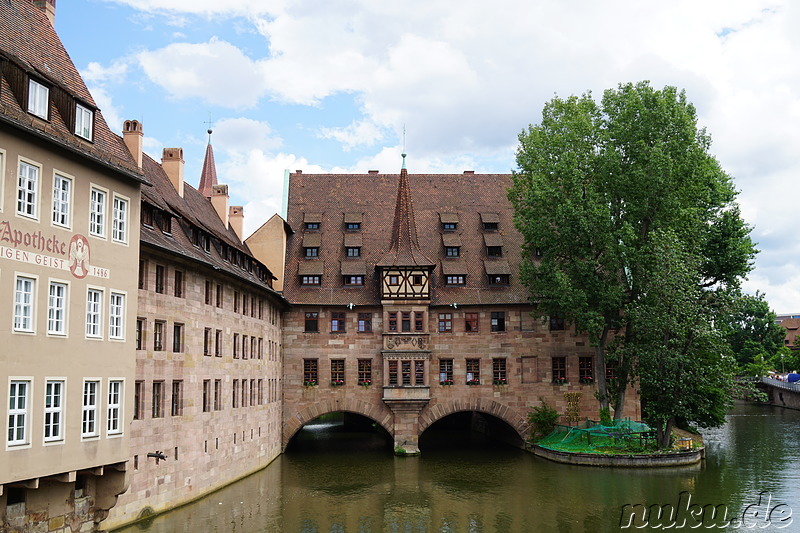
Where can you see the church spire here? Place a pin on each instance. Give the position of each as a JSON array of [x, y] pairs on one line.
[[404, 248], [208, 178]]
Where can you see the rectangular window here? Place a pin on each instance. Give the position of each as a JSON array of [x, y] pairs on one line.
[[158, 399], [405, 367], [490, 226], [114, 415], [209, 288], [244, 347], [236, 346], [312, 322], [142, 274], [260, 348], [394, 280], [161, 277], [57, 309], [312, 225], [84, 122], [176, 408], [499, 372], [312, 251], [260, 392], [158, 335], [473, 371], [38, 98], [218, 343], [416, 279], [353, 226], [445, 322], [18, 400], [138, 400], [449, 226], [365, 371], [97, 213], [611, 370], [354, 280], [89, 411], [498, 320], [235, 394], [310, 376], [419, 320], [471, 322], [220, 295], [119, 223], [494, 251], [235, 301], [337, 322], [452, 251], [252, 392], [586, 369], [392, 372], [559, 366], [309, 280], [499, 279], [253, 349], [62, 196], [455, 280], [116, 316], [353, 251], [94, 313], [178, 284], [445, 371], [217, 394], [244, 393], [419, 372], [23, 304], [177, 338], [53, 414], [206, 395], [556, 323], [393, 321], [406, 321], [28, 190], [337, 372], [207, 341], [364, 322]]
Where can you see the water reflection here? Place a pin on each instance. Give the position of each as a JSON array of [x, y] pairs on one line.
[[343, 481]]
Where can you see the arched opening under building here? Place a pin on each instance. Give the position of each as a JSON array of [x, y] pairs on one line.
[[340, 432], [469, 429]]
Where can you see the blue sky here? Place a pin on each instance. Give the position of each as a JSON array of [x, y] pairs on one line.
[[328, 86]]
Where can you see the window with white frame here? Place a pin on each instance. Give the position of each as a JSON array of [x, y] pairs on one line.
[[23, 304], [62, 194], [84, 119], [94, 312], [119, 227], [27, 190], [38, 97], [89, 418], [57, 308], [97, 213], [114, 418], [53, 414], [19, 393], [116, 316]]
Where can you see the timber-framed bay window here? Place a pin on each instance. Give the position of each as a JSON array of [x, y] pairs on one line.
[[405, 372]]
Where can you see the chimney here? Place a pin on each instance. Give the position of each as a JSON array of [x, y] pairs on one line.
[[219, 199], [132, 134], [49, 8], [172, 163], [236, 219], [372, 171]]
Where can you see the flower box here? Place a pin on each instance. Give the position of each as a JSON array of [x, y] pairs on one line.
[[310, 383], [560, 381], [586, 381], [474, 382], [337, 382], [502, 381], [366, 383], [446, 382]]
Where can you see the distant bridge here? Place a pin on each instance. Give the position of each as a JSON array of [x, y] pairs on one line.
[[780, 393]]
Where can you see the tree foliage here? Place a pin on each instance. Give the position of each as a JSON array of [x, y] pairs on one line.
[[751, 330], [604, 190]]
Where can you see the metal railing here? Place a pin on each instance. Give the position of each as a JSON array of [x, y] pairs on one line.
[[781, 384]]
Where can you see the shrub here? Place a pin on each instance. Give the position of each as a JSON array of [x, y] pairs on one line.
[[543, 420]]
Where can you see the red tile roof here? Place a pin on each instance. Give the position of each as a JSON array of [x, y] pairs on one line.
[[30, 45], [328, 198], [208, 177]]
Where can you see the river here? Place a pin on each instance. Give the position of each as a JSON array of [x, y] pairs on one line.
[[350, 482]]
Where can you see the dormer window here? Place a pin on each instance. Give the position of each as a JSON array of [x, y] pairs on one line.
[[353, 280], [38, 99], [449, 226], [490, 226], [494, 251], [452, 251], [312, 252], [84, 122], [353, 251], [499, 279], [353, 226], [312, 225], [490, 221], [449, 221], [352, 221]]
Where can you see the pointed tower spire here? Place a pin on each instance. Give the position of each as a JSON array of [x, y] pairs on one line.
[[208, 178], [404, 249]]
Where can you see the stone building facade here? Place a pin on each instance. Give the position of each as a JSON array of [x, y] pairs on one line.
[[68, 195], [407, 307], [207, 392]]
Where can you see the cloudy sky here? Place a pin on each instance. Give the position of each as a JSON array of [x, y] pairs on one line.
[[329, 85]]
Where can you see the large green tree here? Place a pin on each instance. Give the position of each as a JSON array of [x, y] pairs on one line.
[[596, 184], [754, 335]]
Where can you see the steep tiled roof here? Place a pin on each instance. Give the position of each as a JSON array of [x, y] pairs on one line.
[[328, 198], [404, 247], [193, 209], [208, 177], [30, 45]]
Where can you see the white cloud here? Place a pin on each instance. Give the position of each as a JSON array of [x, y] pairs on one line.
[[217, 72], [110, 112], [201, 7], [96, 73], [359, 133], [238, 135]]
